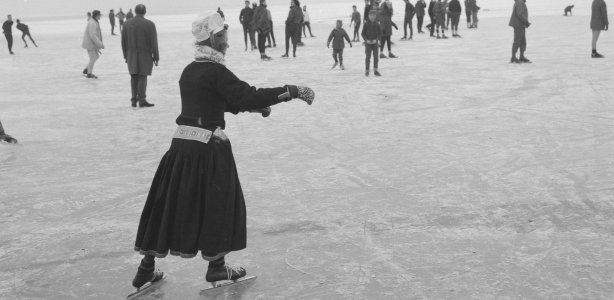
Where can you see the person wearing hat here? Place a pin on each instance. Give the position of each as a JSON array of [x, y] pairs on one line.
[[140, 49], [196, 202], [5, 137], [92, 42], [261, 24], [599, 22]]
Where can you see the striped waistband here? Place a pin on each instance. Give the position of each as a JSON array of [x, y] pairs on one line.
[[198, 134]]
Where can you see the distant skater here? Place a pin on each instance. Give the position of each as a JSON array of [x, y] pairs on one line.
[[440, 17], [25, 31], [410, 11], [599, 22], [420, 12], [92, 42], [195, 204], [356, 20], [112, 21], [337, 36], [261, 24], [386, 12], [371, 34], [5, 137], [7, 28], [140, 49], [568, 10], [245, 17], [293, 27], [520, 22], [121, 16], [306, 22], [129, 15], [468, 13], [271, 35], [455, 14], [474, 14], [431, 27]]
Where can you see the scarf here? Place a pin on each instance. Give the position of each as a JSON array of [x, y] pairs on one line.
[[206, 53]]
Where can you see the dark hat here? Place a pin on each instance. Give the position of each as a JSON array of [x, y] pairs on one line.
[[95, 13]]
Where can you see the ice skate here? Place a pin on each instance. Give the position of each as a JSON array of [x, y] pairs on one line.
[[144, 103], [443, 36], [284, 55], [91, 76], [85, 71], [376, 73], [367, 73], [264, 57], [524, 60], [403, 38], [7, 138], [382, 55], [221, 274], [391, 55], [145, 279], [341, 67], [596, 55], [514, 60], [334, 66]]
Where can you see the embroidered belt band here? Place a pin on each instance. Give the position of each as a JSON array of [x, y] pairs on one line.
[[198, 134]]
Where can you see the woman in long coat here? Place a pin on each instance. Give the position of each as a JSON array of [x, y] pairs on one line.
[[599, 22], [196, 203]]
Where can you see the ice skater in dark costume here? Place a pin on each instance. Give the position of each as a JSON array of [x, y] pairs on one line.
[[7, 28], [25, 31], [5, 137], [196, 203], [599, 22]]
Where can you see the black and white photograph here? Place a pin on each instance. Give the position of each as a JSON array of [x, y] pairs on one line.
[[306, 149]]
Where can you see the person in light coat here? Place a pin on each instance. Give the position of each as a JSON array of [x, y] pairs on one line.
[[92, 42]]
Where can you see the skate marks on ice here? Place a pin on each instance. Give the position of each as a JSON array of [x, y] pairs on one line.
[[148, 288]]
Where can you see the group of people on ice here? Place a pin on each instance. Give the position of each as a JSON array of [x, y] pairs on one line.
[[7, 29]]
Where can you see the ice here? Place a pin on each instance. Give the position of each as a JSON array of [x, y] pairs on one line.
[[456, 175]]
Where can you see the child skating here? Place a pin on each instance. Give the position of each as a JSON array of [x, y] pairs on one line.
[[371, 34], [337, 36]]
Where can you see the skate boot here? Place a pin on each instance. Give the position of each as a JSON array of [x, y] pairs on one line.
[[382, 55], [367, 72], [26, 46], [334, 66], [85, 71], [376, 73], [524, 60], [218, 270], [146, 275], [438, 37], [284, 56], [144, 103], [341, 67], [7, 138], [403, 38], [514, 60], [392, 55], [264, 57], [595, 54], [443, 36], [92, 76]]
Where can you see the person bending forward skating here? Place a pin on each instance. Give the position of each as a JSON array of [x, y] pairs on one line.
[[196, 202], [25, 31]]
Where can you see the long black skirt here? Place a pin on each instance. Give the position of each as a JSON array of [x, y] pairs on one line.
[[195, 203]]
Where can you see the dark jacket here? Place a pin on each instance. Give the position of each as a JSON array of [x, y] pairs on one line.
[[356, 18], [246, 16], [337, 36], [410, 11], [520, 15], [112, 18], [208, 90], [140, 45], [385, 19], [23, 27], [440, 10], [129, 15], [420, 6], [261, 21], [432, 9], [371, 31], [7, 27], [599, 15], [295, 16], [455, 7]]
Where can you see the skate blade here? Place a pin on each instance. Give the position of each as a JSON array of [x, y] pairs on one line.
[[145, 287], [215, 285]]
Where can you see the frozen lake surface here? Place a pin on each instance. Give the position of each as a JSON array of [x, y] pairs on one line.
[[456, 175]]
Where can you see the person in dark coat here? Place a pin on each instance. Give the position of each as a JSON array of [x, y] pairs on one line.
[[121, 16], [245, 17], [440, 17], [7, 28], [420, 13], [455, 14], [112, 21], [599, 22], [385, 12], [431, 27], [468, 13], [196, 203], [129, 15], [337, 36], [25, 31], [410, 11], [520, 22], [261, 24], [371, 34], [293, 27], [568, 9], [5, 137], [140, 49], [356, 20]]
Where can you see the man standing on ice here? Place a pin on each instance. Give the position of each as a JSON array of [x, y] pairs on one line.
[[356, 20], [261, 24], [440, 17], [121, 16], [520, 22], [599, 22], [245, 17], [92, 42], [196, 202], [410, 11], [455, 13], [420, 12], [112, 21], [293, 27], [140, 49], [7, 27], [371, 34]]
